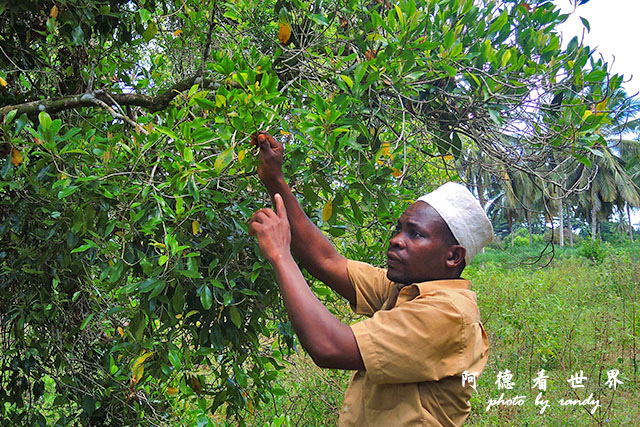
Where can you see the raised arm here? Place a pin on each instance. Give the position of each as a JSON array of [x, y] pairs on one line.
[[310, 246]]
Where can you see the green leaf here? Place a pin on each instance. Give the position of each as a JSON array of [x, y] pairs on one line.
[[174, 359], [145, 15], [178, 299], [506, 56], [45, 120], [319, 19], [206, 297], [235, 316], [499, 22], [170, 133], [241, 377], [151, 31], [82, 248], [347, 80], [77, 36], [86, 321], [10, 115], [223, 159], [586, 24], [67, 191], [205, 103]]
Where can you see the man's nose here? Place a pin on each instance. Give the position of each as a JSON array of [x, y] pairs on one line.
[[397, 241]]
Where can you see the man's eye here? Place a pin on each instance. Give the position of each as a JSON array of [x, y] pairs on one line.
[[415, 233]]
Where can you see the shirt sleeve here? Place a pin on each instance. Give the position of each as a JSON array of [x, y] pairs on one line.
[[419, 340], [371, 285]]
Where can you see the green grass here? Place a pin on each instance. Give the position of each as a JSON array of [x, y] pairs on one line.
[[572, 315]]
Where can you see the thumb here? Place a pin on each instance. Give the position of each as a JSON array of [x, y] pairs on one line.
[[281, 210], [263, 142]]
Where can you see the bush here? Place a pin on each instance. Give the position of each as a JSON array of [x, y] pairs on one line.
[[593, 249]]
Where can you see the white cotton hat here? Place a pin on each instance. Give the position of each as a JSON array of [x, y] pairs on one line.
[[463, 214]]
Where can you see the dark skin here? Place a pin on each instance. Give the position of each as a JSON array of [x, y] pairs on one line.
[[421, 249]]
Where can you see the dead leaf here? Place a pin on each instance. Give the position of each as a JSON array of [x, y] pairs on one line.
[[284, 35], [16, 156], [176, 33], [54, 12], [195, 385], [3, 82], [327, 211]]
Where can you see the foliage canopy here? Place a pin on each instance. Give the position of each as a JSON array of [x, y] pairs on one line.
[[128, 283]]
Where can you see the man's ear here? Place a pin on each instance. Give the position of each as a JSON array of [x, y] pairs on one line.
[[456, 256]]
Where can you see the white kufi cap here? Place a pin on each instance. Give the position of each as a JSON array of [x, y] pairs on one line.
[[463, 214]]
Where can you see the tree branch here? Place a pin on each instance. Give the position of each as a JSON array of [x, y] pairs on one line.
[[152, 103]]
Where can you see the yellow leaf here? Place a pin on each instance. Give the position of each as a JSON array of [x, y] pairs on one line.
[[54, 12], [106, 156], [284, 35], [195, 227], [121, 331], [601, 108], [172, 391], [137, 372], [16, 156], [385, 149], [284, 132], [587, 114], [250, 407], [3, 82], [396, 172], [176, 33], [241, 155], [327, 211]]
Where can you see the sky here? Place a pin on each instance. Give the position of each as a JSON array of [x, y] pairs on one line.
[[615, 33]]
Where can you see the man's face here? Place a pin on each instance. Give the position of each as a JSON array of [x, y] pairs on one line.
[[418, 250]]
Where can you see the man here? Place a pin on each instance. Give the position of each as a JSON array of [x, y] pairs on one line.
[[423, 333]]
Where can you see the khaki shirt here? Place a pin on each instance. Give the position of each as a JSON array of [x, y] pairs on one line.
[[415, 346]]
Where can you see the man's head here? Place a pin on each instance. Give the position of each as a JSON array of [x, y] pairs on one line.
[[437, 236]]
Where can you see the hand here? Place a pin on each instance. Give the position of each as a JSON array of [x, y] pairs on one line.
[[270, 158], [272, 230]]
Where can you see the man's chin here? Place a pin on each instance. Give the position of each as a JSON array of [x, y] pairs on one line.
[[395, 276]]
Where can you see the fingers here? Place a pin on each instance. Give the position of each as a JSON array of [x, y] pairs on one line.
[[281, 210], [271, 140], [265, 141]]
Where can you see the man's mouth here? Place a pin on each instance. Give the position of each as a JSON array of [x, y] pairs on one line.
[[393, 258]]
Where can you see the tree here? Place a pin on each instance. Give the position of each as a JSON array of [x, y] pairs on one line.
[[128, 284]]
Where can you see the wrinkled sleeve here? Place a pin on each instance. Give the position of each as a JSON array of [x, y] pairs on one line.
[[371, 285], [420, 340]]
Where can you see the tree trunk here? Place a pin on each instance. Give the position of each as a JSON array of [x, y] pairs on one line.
[[529, 228], [593, 222], [561, 221], [510, 220], [630, 225], [569, 226]]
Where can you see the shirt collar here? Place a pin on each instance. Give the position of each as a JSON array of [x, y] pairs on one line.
[[432, 285]]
